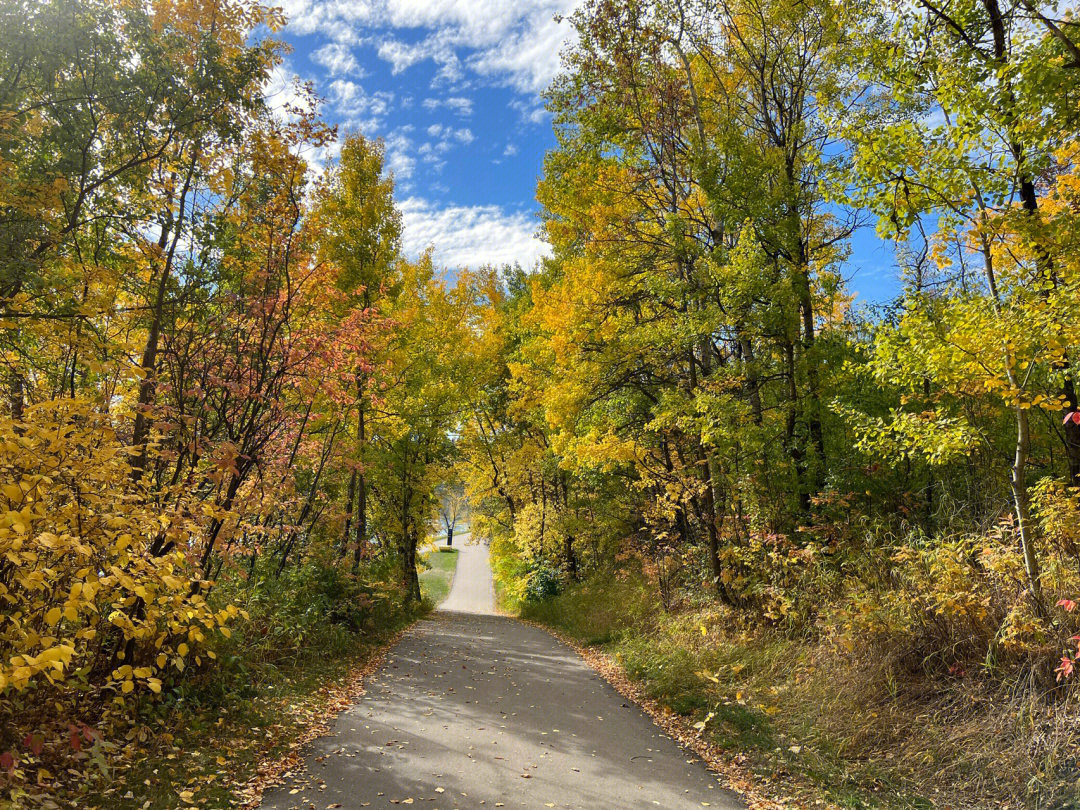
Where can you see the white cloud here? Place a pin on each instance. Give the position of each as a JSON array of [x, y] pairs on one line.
[[470, 236], [343, 91], [516, 44], [400, 55], [510, 150], [335, 18], [399, 159], [338, 60], [532, 110], [528, 58], [459, 104], [360, 110], [445, 139], [437, 47]]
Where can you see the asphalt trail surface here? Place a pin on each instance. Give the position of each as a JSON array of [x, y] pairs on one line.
[[474, 710], [472, 590]]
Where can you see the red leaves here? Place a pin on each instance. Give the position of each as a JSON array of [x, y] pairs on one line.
[[34, 742], [1068, 604], [1071, 416], [1068, 662], [1065, 668], [7, 761], [78, 734]]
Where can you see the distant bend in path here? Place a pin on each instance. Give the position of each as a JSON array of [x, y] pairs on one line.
[[472, 590]]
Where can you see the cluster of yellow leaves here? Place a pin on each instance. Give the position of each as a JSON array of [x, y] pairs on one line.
[[965, 594], [94, 580]]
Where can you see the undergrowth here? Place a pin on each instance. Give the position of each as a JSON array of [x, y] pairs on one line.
[[205, 736]]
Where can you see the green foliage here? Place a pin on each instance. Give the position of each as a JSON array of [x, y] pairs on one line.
[[542, 581], [685, 392]]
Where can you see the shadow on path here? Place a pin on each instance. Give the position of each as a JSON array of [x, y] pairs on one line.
[[481, 711]]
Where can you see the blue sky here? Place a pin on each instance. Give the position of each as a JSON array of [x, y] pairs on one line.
[[453, 87]]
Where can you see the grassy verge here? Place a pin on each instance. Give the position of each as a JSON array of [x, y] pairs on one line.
[[821, 722], [438, 574]]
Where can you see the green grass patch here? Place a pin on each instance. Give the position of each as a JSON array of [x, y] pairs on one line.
[[438, 574]]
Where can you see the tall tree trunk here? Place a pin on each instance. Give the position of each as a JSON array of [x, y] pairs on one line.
[[172, 229], [410, 582], [407, 542], [1021, 502], [812, 414], [791, 442], [570, 557], [1018, 471], [361, 488], [412, 579], [711, 527], [350, 499], [16, 394]]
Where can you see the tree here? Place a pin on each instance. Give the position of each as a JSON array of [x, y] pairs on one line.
[[973, 111], [418, 405], [360, 231], [695, 263], [452, 508]]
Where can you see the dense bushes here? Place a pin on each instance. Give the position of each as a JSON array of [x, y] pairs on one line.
[[97, 589]]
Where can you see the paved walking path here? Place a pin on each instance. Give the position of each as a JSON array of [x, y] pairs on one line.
[[473, 590], [473, 710]]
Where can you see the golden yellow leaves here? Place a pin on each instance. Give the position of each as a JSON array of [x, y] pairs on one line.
[[80, 542], [50, 663]]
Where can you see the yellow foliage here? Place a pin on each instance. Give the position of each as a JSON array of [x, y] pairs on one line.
[[93, 579]]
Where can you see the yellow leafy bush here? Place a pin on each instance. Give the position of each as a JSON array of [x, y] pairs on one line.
[[94, 581], [951, 599]]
